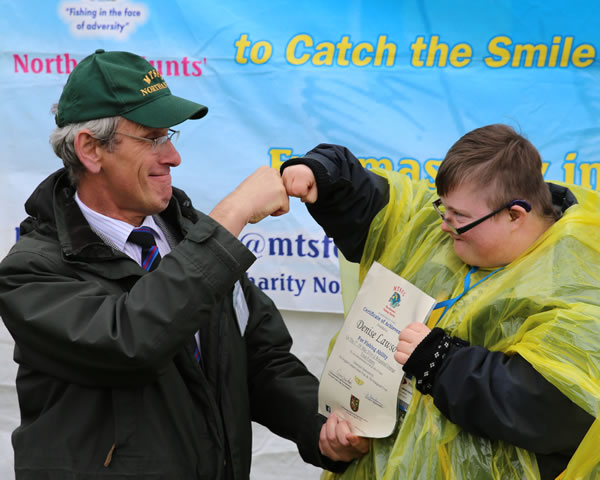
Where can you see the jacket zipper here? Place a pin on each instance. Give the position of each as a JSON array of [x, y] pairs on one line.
[[110, 454]]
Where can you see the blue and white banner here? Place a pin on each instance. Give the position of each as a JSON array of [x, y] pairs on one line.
[[396, 82]]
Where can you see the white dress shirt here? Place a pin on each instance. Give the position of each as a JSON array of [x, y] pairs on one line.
[[116, 232]]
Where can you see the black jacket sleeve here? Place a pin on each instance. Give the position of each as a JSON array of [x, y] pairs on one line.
[[283, 393], [497, 396], [349, 196]]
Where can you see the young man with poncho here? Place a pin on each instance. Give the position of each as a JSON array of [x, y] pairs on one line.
[[505, 373]]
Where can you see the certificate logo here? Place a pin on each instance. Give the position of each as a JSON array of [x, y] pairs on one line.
[[354, 403], [395, 299]]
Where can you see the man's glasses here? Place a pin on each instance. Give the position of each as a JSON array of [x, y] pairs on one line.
[[172, 136], [441, 210]]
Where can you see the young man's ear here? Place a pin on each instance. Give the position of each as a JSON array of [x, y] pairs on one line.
[[88, 151], [517, 214]]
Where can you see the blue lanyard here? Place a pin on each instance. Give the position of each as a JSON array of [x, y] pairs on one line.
[[446, 304]]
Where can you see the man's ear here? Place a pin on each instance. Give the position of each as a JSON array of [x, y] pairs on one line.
[[88, 150]]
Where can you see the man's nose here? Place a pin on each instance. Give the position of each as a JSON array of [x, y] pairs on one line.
[[169, 154]]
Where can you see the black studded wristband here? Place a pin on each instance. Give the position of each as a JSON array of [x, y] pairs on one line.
[[427, 358]]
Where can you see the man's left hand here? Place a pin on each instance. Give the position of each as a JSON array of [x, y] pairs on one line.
[[338, 443]]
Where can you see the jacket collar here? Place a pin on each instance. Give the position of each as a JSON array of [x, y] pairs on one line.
[[562, 198], [53, 211]]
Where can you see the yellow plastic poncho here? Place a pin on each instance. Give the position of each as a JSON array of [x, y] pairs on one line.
[[545, 306]]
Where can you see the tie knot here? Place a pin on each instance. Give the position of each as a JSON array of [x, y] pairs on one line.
[[150, 255], [143, 237]]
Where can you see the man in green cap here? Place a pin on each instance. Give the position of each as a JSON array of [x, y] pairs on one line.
[[143, 349]]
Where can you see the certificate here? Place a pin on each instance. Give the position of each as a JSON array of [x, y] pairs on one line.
[[361, 379]]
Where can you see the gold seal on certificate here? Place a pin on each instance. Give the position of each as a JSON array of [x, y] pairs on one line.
[[361, 379]]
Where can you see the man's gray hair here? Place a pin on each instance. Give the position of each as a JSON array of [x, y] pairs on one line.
[[62, 140]]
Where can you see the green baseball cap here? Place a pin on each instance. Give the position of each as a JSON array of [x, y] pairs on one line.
[[108, 84]]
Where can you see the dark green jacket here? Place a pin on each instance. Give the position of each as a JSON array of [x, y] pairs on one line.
[[107, 383]]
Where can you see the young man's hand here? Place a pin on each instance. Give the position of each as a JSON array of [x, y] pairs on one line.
[[299, 181], [408, 340]]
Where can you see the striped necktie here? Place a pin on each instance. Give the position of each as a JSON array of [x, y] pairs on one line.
[[144, 238]]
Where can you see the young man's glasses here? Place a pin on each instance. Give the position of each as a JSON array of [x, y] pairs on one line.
[[441, 210], [172, 136]]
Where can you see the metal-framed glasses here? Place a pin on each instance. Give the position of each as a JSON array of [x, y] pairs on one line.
[[156, 142], [441, 210]]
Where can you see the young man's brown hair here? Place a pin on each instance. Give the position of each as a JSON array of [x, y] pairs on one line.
[[501, 162]]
